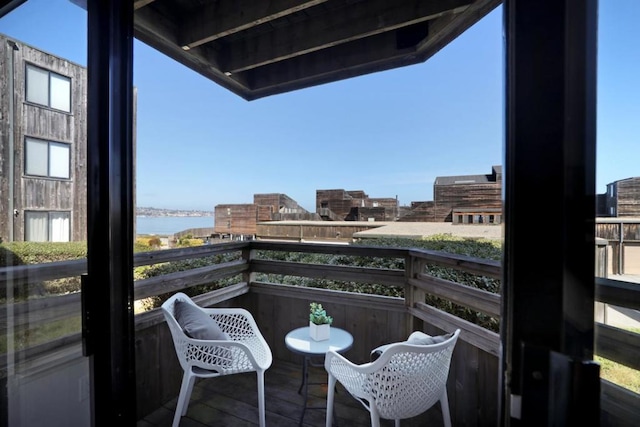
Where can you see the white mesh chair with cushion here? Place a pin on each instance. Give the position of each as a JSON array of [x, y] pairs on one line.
[[404, 381], [211, 342]]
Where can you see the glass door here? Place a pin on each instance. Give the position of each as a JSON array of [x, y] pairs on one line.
[[44, 378]]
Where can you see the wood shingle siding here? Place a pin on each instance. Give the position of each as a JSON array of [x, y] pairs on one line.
[[29, 120], [23, 119]]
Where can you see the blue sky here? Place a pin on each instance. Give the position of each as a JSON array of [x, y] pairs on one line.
[[389, 134]]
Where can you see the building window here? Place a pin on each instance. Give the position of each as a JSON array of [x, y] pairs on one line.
[[49, 89], [47, 226], [46, 158]]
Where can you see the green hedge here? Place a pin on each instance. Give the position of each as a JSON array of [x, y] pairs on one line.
[[23, 253]]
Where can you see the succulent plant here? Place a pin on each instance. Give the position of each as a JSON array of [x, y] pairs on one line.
[[318, 315]]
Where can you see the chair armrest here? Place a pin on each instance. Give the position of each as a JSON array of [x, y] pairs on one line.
[[226, 355]]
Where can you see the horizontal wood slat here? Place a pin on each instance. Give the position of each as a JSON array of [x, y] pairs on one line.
[[473, 334], [332, 296], [174, 282], [616, 292], [479, 266], [618, 345], [331, 272], [320, 248], [178, 254], [476, 299], [40, 311], [619, 405]]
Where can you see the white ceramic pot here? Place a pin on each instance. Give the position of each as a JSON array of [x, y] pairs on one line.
[[319, 332]]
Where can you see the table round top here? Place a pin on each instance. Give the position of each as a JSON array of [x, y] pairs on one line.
[[299, 341]]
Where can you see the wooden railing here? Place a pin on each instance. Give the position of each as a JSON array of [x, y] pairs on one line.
[[373, 319]]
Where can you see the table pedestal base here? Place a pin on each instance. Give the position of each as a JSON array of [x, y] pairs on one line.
[[304, 386]]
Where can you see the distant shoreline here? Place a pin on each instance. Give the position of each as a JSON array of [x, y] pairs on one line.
[[159, 212], [174, 216], [167, 225]]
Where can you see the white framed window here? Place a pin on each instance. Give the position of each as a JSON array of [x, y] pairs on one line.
[[47, 158], [40, 226], [48, 88]]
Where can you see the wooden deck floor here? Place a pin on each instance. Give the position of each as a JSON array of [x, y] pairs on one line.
[[232, 401]]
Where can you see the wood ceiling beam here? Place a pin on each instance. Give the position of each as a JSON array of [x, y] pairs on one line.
[[344, 26], [363, 56], [224, 17], [137, 4], [159, 32], [336, 63]]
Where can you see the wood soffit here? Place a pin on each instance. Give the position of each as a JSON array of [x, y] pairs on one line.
[[258, 48]]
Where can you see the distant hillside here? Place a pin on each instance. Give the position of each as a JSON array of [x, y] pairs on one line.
[[143, 211]]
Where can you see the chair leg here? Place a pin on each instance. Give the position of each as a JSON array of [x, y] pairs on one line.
[[183, 399], [261, 404], [444, 403], [397, 423], [375, 418], [331, 387]]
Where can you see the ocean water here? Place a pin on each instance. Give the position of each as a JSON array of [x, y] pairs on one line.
[[164, 225]]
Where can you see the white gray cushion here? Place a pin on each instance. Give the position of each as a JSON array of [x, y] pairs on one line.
[[416, 338], [420, 338], [196, 323]]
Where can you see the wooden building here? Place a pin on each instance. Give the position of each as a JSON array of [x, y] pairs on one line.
[[463, 199], [236, 219], [313, 231], [622, 199], [354, 205], [280, 207], [239, 220], [43, 145], [620, 240]]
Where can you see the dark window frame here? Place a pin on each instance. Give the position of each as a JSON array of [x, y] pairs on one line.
[[49, 73], [49, 143]]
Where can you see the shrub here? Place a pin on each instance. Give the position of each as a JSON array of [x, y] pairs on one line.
[[187, 242], [155, 242]]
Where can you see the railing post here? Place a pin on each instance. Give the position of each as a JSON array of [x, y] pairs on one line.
[[413, 267], [248, 276]]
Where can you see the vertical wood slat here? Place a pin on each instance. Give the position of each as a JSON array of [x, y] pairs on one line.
[[412, 294]]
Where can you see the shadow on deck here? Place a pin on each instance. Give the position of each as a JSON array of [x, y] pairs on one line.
[[232, 401]]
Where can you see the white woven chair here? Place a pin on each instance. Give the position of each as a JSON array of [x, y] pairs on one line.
[[245, 351], [403, 382]]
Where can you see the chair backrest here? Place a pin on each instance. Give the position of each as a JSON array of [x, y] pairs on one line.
[[177, 333], [409, 379]]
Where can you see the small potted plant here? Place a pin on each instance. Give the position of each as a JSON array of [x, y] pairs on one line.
[[319, 322]]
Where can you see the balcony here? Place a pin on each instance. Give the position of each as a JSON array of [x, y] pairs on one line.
[[254, 272]]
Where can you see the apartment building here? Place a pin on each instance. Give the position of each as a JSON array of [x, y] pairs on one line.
[[462, 199], [354, 205], [622, 199], [43, 146], [241, 219]]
